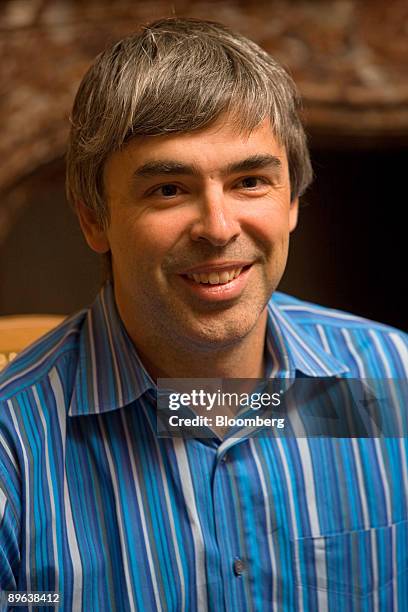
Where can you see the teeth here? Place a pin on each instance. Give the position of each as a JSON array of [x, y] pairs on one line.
[[216, 278]]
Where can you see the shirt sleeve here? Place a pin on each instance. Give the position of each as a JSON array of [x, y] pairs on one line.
[[10, 507], [9, 543]]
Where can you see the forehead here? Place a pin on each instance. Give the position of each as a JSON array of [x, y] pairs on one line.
[[207, 149]]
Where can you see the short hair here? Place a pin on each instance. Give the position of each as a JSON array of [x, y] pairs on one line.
[[178, 75]]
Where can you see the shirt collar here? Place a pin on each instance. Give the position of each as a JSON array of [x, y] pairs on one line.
[[294, 350], [110, 373]]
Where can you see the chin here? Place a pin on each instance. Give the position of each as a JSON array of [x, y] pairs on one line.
[[220, 334]]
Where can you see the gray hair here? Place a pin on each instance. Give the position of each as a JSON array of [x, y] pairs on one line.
[[178, 75]]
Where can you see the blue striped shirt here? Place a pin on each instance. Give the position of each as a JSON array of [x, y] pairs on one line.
[[96, 506]]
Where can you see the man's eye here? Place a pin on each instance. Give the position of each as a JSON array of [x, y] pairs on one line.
[[169, 190], [251, 182]]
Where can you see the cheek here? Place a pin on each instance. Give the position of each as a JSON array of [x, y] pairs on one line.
[[272, 228], [144, 243], [156, 240]]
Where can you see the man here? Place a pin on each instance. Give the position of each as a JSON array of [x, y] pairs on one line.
[[186, 161]]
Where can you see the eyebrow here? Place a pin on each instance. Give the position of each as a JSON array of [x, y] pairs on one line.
[[163, 167]]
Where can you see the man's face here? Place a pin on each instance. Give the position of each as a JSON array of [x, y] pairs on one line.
[[187, 213]]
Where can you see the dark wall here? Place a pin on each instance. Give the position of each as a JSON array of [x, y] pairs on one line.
[[45, 264], [348, 252], [350, 248]]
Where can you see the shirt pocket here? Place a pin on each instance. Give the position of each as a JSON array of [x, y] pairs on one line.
[[366, 568]]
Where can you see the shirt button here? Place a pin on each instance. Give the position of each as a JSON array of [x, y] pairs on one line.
[[239, 567], [224, 459]]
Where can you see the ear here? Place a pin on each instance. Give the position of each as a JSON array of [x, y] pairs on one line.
[[293, 214], [94, 235]]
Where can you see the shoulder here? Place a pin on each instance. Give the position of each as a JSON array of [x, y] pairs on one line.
[[56, 349], [31, 386], [308, 313], [304, 313], [369, 348]]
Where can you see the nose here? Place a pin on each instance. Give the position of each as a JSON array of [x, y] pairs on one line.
[[216, 222]]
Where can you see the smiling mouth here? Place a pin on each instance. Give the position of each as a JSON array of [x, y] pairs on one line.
[[222, 277]]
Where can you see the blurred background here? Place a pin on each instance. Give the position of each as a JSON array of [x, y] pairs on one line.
[[350, 61]]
